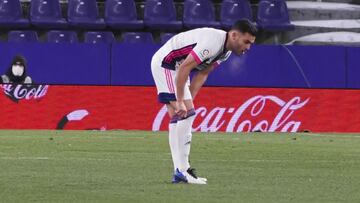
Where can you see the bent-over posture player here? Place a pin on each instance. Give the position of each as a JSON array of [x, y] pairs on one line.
[[199, 50]]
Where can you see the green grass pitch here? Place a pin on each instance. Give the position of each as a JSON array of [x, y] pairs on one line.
[[135, 166]]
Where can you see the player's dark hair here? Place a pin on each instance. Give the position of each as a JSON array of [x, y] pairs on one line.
[[245, 26]]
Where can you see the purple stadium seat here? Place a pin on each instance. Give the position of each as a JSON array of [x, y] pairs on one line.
[[11, 14], [273, 16], [22, 36], [137, 37], [99, 37], [47, 14], [164, 37], [84, 14], [161, 14], [57, 36], [233, 10], [199, 13], [121, 14]]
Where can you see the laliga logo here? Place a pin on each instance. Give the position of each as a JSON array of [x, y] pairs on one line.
[[281, 122], [27, 92]]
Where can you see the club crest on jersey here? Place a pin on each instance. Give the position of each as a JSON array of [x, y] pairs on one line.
[[204, 53]]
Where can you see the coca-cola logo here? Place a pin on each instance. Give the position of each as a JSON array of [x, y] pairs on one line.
[[27, 92], [212, 120]]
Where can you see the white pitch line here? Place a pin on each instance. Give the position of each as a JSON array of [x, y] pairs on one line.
[[267, 160], [24, 158], [329, 135], [168, 159]]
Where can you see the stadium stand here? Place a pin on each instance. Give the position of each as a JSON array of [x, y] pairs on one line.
[[232, 10], [279, 21], [60, 36], [137, 37], [199, 13], [164, 37], [47, 14], [22, 36], [328, 17], [11, 14], [85, 14], [161, 14], [122, 14], [273, 16], [99, 37]]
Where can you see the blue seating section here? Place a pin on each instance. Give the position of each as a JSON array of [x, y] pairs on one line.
[[138, 37], [46, 14], [85, 14], [11, 14], [23, 36], [122, 14], [164, 37], [93, 37], [99, 37], [273, 16], [60, 36], [233, 10], [199, 13], [161, 15]]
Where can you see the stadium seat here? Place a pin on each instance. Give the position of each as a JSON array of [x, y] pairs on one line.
[[84, 14], [161, 14], [233, 10], [47, 14], [23, 36], [11, 14], [57, 36], [137, 37], [199, 13], [273, 16], [121, 14], [164, 37], [99, 37]]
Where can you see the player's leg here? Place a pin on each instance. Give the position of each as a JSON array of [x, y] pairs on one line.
[[173, 139], [184, 132], [178, 177], [166, 95]]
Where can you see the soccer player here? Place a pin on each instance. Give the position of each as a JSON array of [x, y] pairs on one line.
[[199, 50]]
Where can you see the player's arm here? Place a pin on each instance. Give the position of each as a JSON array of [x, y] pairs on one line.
[[180, 81], [199, 79]]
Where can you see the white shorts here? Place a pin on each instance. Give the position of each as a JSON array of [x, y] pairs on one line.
[[165, 82]]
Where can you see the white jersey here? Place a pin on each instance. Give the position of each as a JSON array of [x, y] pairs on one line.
[[206, 45]]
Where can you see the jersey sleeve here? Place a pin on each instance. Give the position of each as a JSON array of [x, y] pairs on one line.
[[206, 49]]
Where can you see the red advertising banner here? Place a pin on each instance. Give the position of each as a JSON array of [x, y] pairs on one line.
[[218, 109]]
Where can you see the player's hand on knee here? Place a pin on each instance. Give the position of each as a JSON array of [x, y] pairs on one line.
[[181, 109]]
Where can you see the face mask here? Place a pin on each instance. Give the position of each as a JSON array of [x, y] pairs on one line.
[[17, 70]]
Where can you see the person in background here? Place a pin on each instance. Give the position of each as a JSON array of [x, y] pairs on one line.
[[16, 73]]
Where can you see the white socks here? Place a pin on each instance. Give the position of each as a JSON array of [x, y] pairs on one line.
[[183, 131], [180, 141], [174, 145]]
